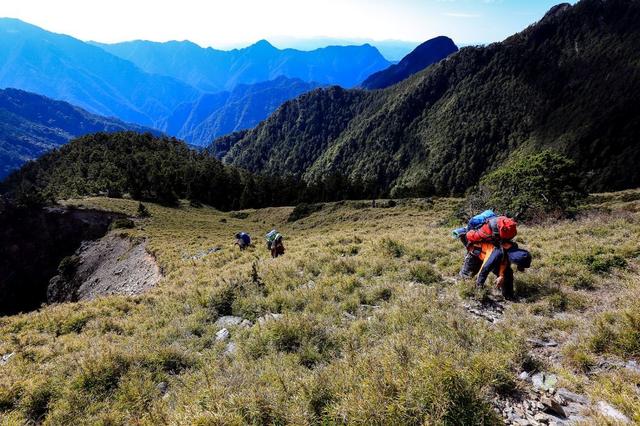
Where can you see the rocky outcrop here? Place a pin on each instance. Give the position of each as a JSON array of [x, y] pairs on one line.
[[114, 264], [33, 241]]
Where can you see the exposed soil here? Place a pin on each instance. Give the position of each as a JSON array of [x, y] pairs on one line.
[[33, 241], [114, 264]]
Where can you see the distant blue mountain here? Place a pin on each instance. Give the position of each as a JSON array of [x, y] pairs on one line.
[[62, 67], [178, 87], [31, 124], [421, 57], [214, 115], [213, 70]]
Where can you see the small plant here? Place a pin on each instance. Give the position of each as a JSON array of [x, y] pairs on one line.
[[603, 263], [424, 274], [392, 247], [303, 210], [122, 223], [143, 212], [618, 333], [238, 215], [579, 357], [68, 266]]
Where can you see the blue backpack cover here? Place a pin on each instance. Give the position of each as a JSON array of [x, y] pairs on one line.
[[478, 220]]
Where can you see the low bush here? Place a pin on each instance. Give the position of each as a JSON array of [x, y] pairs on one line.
[[143, 212], [530, 187], [303, 210], [122, 224], [424, 274], [603, 263], [392, 247], [618, 333]]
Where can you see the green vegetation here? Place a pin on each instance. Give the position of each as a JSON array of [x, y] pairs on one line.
[[567, 83], [534, 186], [372, 329], [160, 169], [303, 210]]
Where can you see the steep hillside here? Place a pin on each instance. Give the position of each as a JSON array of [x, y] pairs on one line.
[[217, 70], [569, 82], [362, 321], [218, 114], [31, 125], [64, 68], [428, 53]]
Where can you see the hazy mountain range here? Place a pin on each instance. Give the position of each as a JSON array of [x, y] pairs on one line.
[[213, 70], [569, 82], [33, 124], [179, 88]]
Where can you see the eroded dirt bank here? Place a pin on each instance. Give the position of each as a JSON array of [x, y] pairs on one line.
[[32, 244], [114, 264]]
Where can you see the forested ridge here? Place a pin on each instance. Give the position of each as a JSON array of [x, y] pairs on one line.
[[569, 82], [162, 169]]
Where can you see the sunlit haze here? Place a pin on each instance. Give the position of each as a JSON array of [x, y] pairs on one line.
[[225, 24]]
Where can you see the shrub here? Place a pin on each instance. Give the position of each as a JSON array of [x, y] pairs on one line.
[[122, 224], [392, 248], [68, 266], [603, 263], [424, 274], [239, 215], [618, 333], [303, 210], [530, 187], [143, 212]]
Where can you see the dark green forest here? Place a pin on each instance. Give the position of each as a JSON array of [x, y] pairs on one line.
[[162, 169], [570, 83]]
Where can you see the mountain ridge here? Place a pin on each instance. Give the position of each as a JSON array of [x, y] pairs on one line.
[[64, 68], [551, 85], [426, 54], [221, 70], [32, 124]]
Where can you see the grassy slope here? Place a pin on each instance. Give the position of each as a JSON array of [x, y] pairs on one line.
[[373, 329]]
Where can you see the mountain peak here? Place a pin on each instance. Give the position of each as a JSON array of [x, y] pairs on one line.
[[262, 45], [426, 54]]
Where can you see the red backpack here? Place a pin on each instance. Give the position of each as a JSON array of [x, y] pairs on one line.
[[504, 227]]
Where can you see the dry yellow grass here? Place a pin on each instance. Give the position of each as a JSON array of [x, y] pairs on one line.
[[373, 329]]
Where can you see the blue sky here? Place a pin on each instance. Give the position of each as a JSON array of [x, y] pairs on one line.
[[232, 23]]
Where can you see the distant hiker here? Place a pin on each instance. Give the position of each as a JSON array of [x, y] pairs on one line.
[[243, 240], [274, 243], [488, 239]]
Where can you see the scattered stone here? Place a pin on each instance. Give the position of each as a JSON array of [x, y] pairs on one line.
[[231, 349], [349, 316], [201, 254], [523, 376], [269, 317], [567, 395], [222, 335], [5, 358], [553, 406], [542, 343], [544, 381], [310, 285], [633, 366], [162, 387], [611, 412], [232, 321]]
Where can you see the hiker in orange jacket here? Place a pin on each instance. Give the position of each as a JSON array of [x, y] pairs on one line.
[[491, 249]]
